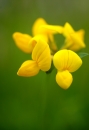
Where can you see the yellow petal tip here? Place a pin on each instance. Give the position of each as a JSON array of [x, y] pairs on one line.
[[64, 79]]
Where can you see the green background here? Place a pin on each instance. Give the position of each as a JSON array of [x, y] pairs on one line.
[[38, 103]]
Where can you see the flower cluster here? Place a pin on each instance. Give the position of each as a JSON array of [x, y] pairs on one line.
[[44, 51]]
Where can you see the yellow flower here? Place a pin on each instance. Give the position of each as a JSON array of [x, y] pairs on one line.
[[66, 61], [41, 60], [74, 39], [22, 41]]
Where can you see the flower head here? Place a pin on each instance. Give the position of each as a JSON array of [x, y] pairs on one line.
[[66, 61], [41, 60], [43, 50], [74, 39]]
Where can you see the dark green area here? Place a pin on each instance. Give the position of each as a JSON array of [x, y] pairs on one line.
[[38, 103]]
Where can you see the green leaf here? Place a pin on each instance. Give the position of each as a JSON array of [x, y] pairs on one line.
[[83, 54]]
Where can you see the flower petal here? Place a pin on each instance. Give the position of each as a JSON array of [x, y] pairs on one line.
[[81, 33], [60, 59], [74, 39], [22, 41], [77, 42], [28, 68], [68, 30], [36, 39], [67, 60], [37, 24], [64, 79], [51, 29], [41, 54], [74, 61]]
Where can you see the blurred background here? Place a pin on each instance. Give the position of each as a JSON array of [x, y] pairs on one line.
[[38, 103]]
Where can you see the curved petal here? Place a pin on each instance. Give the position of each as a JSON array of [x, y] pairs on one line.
[[28, 68], [81, 33], [74, 61], [22, 41], [60, 60], [67, 30], [36, 39], [64, 79], [77, 41], [37, 24], [41, 54], [51, 28], [44, 61], [67, 60]]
